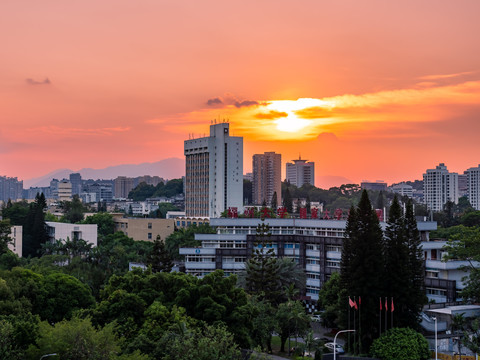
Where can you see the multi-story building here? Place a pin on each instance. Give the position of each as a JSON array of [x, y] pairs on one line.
[[149, 180], [316, 245], [76, 181], [16, 236], [403, 189], [144, 228], [122, 186], [439, 186], [102, 190], [378, 185], [64, 190], [213, 173], [300, 172], [473, 185], [72, 232], [463, 184], [267, 178], [10, 188]]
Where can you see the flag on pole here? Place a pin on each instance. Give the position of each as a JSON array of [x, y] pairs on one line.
[[391, 307], [355, 304], [359, 300], [386, 304], [380, 304], [350, 302]]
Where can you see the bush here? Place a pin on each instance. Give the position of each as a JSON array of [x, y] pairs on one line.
[[400, 344]]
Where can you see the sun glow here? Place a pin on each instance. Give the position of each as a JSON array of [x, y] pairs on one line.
[[293, 123]]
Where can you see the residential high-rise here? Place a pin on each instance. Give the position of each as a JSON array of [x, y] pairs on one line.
[[65, 190], [10, 188], [300, 172], [267, 178], [473, 185], [213, 173], [439, 186], [122, 186]]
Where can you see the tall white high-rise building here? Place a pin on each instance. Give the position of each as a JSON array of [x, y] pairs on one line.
[[300, 172], [439, 186], [213, 173], [473, 186]]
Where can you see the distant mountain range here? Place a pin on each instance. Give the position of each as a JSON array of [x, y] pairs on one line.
[[171, 168]]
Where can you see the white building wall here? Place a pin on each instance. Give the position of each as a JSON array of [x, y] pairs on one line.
[[473, 186], [439, 187], [16, 234], [62, 231]]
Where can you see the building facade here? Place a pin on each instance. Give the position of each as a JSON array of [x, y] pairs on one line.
[[473, 186], [16, 236], [375, 186], [300, 172], [267, 178], [122, 186], [316, 245], [213, 173], [439, 186], [64, 190], [403, 189], [10, 188], [64, 231], [144, 229]]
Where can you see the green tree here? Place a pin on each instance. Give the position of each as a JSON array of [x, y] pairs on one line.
[[73, 210], [9, 349], [362, 267], [464, 245], [247, 192], [34, 231], [104, 221], [262, 268], [203, 343], [287, 201], [4, 236], [291, 320], [78, 339], [274, 201], [185, 237], [159, 258], [329, 297], [400, 344]]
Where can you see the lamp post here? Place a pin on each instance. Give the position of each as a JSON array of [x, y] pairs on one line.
[[47, 355], [335, 342], [436, 346]]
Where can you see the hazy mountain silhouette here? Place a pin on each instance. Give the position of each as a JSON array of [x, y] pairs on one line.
[[328, 181], [171, 168]]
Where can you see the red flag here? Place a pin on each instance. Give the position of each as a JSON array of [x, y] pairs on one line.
[[355, 304], [350, 302], [392, 308], [386, 305], [359, 300], [380, 304]]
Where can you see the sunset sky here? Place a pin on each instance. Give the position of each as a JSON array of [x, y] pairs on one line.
[[369, 90]]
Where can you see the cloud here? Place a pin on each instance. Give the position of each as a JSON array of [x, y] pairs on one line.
[[315, 112], [246, 103], [214, 102], [445, 76], [35, 82], [271, 115]]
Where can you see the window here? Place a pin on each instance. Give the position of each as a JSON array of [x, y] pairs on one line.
[[149, 225], [149, 236]]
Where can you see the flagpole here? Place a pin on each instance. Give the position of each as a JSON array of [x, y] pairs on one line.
[[355, 328], [349, 340], [391, 311], [380, 319], [386, 313], [359, 325]]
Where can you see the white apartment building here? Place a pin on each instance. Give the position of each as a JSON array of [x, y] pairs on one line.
[[300, 172], [213, 173], [473, 186], [316, 245], [439, 186], [64, 231]]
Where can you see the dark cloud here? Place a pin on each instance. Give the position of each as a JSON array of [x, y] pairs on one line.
[[214, 101], [245, 103], [316, 112], [35, 82], [272, 114]]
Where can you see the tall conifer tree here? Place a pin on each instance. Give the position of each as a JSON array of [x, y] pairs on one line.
[[362, 268]]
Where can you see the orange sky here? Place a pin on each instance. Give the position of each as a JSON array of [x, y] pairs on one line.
[[368, 90]]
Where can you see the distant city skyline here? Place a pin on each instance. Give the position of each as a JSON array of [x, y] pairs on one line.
[[366, 90]]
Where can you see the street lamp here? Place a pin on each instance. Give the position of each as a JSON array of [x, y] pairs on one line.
[[47, 355], [335, 342], [436, 346]]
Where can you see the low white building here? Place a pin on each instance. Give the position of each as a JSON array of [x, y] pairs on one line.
[[16, 234], [403, 189], [64, 231]]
